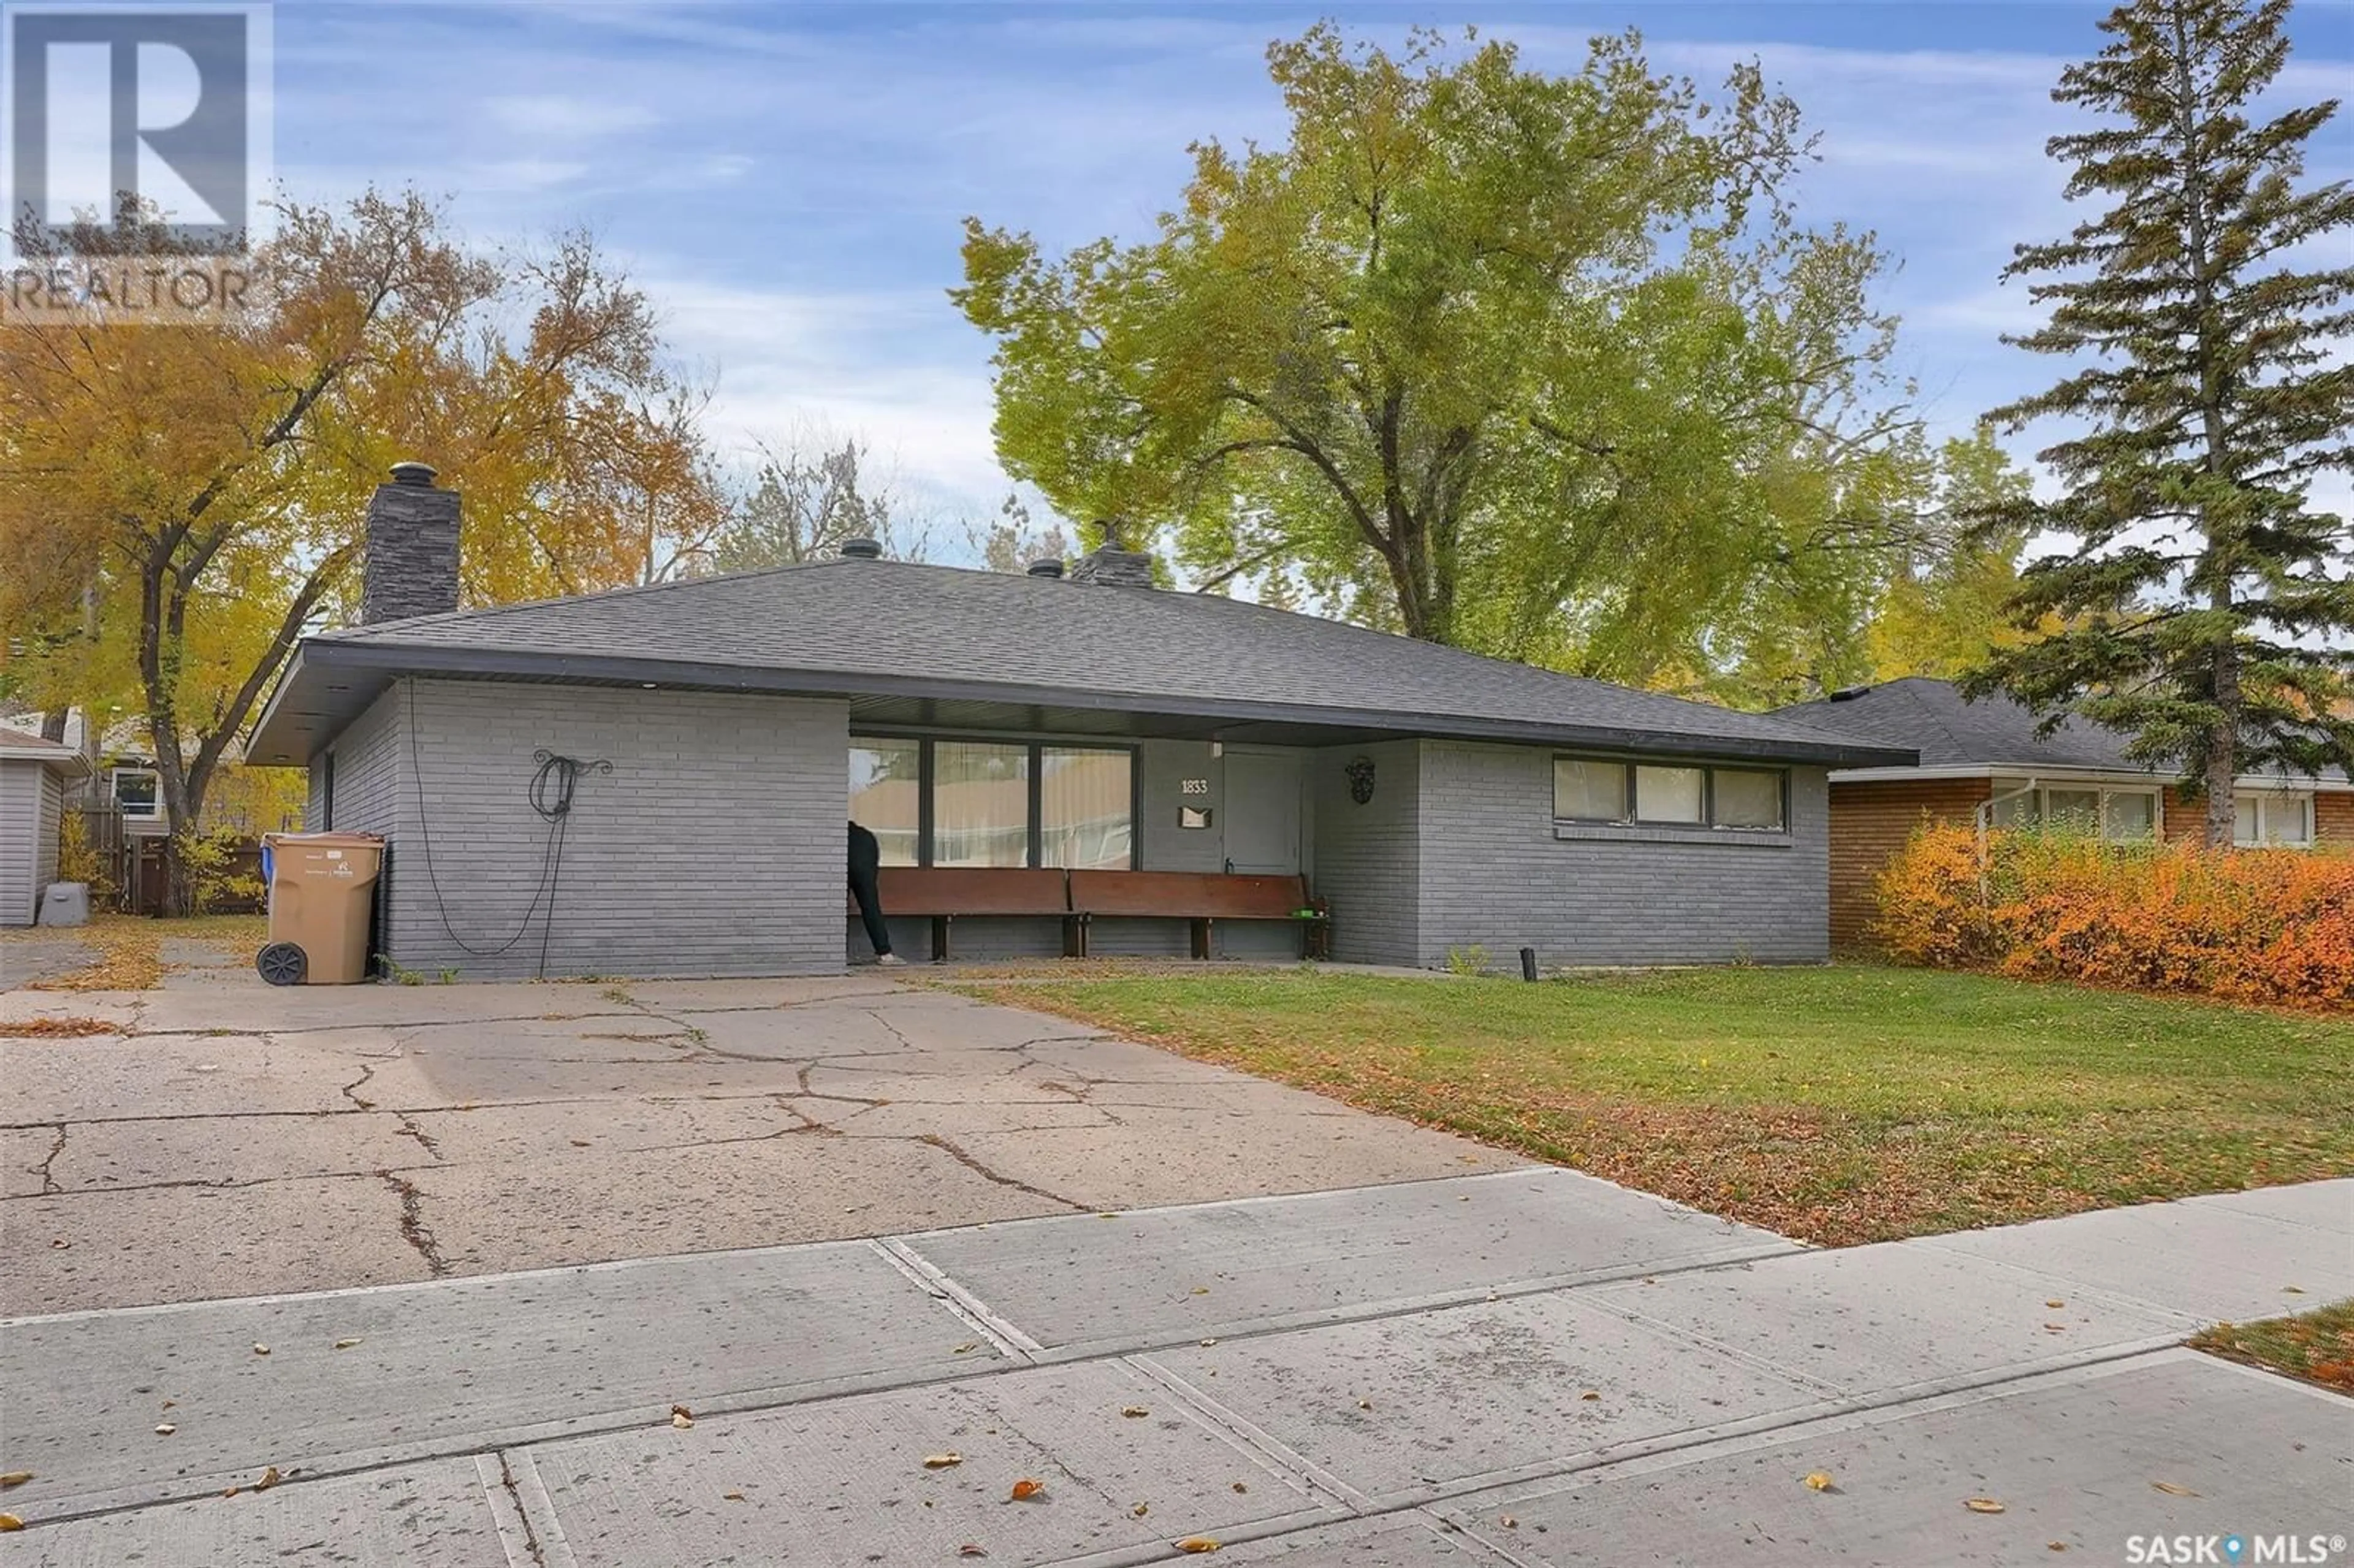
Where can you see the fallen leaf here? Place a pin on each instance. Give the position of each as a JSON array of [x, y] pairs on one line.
[[261, 1350], [15, 1478], [1240, 1487], [169, 1403], [1364, 1405], [731, 1497], [1133, 1410], [1201, 1290], [1508, 1522], [345, 1344], [61, 1243], [680, 1418], [2055, 1303], [2292, 1290], [1141, 1510], [165, 1430], [232, 1491], [2170, 1489], [2055, 1546], [1025, 1489], [1820, 1481], [1207, 1343], [967, 1348], [10, 1521], [942, 1461], [270, 1477], [579, 1143], [1982, 1505], [1590, 1393], [1195, 1543], [969, 1549]]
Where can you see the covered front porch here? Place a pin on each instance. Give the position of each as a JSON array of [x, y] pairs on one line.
[[1004, 842]]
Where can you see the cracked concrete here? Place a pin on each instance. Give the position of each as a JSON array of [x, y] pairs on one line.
[[237, 1139]]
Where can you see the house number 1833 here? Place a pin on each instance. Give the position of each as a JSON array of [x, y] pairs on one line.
[[1192, 786]]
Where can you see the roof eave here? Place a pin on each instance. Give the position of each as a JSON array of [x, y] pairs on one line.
[[390, 658]]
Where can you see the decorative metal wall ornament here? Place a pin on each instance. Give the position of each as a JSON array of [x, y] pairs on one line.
[[1360, 780]]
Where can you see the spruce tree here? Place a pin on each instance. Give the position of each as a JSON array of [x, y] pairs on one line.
[[2205, 608]]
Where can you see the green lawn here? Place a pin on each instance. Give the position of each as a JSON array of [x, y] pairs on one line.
[[2318, 1346], [1841, 1105]]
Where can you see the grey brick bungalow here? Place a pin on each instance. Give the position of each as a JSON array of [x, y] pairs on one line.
[[1432, 799]]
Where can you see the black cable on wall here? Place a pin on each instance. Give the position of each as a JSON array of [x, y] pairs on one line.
[[550, 794]]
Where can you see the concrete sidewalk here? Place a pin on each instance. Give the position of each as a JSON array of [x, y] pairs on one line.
[[1528, 1367]]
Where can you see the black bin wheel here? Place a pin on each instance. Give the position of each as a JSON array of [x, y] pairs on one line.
[[282, 963]]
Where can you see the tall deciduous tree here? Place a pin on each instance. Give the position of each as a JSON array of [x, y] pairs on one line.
[[1538, 365], [178, 505], [1943, 610], [2206, 599], [804, 499]]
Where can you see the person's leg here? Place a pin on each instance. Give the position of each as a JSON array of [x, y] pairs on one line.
[[870, 909]]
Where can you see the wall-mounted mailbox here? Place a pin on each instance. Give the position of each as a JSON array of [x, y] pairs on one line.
[[1193, 815]]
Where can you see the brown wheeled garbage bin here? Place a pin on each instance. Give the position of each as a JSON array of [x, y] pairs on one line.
[[321, 890]]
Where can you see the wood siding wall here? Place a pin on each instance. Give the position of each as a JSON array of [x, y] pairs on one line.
[[1870, 823]]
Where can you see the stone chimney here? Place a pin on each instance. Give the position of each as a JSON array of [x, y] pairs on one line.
[[409, 562], [1109, 565]]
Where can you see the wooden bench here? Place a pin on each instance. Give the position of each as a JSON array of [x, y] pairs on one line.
[[1203, 898], [943, 893]]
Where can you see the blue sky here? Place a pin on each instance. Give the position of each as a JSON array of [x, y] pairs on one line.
[[788, 181]]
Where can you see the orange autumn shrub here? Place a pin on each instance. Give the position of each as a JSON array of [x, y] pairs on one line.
[[2265, 926]]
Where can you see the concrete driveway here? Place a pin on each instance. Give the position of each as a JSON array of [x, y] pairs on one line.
[[233, 1139]]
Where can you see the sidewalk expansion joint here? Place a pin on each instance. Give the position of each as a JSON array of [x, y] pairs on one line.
[[927, 1277]]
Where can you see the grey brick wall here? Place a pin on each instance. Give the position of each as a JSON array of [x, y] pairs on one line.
[[1493, 873], [371, 762], [1367, 859], [713, 847]]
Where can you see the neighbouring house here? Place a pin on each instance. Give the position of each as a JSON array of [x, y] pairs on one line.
[[34, 777], [721, 730], [1983, 762]]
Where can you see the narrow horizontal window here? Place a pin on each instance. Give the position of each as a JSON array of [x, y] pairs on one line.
[[1670, 795], [1589, 792], [1747, 799]]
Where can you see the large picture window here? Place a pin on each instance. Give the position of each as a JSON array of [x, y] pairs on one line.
[[1600, 791], [980, 803], [2120, 816], [995, 803], [887, 796], [1084, 799]]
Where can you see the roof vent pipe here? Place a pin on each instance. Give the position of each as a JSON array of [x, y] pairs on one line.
[[1046, 569], [862, 549]]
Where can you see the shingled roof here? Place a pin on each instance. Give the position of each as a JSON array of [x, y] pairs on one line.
[[881, 630], [1934, 719]]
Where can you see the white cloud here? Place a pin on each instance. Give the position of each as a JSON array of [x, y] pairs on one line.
[[568, 119]]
